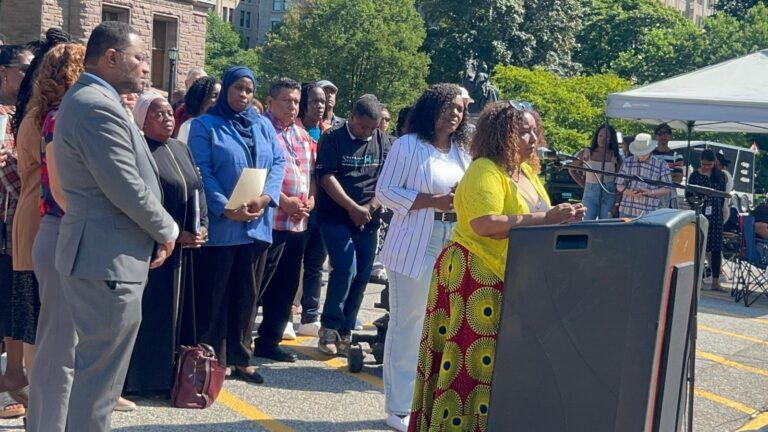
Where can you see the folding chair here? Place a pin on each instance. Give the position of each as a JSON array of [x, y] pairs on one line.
[[751, 280]]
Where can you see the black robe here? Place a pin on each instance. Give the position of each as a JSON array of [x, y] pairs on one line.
[[167, 305]]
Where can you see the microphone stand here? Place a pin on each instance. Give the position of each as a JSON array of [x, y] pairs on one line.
[[558, 164]]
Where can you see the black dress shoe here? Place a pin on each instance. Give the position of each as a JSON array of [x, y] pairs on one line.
[[275, 353], [253, 377]]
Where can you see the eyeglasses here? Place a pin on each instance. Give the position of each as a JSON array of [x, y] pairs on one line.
[[663, 132], [521, 106]]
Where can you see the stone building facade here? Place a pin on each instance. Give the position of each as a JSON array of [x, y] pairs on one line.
[[694, 10], [162, 24]]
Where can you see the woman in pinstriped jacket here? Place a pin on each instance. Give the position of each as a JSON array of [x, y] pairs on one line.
[[417, 184]]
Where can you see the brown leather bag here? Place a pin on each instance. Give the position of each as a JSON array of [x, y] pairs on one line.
[[199, 377]]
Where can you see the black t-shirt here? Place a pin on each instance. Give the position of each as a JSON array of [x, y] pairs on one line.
[[355, 163], [761, 213]]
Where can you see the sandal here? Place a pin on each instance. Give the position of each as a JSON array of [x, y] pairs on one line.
[[11, 409], [20, 395]]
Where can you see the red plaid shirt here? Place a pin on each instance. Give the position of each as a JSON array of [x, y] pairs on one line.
[[300, 152], [10, 182]]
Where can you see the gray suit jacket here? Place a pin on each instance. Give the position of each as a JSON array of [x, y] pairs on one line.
[[114, 212]]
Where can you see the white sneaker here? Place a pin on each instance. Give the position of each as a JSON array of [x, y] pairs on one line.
[[398, 423], [359, 325], [288, 333], [309, 329], [707, 280]]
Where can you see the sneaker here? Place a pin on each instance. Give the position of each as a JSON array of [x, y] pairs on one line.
[[359, 325], [342, 345], [398, 423], [724, 279], [707, 280], [309, 329], [326, 341], [288, 333], [378, 274]]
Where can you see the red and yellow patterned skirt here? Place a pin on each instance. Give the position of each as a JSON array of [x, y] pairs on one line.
[[458, 345]]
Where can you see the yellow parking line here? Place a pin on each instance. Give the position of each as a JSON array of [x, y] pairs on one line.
[[756, 424], [252, 413], [738, 406], [733, 315], [730, 363], [733, 335], [336, 363]]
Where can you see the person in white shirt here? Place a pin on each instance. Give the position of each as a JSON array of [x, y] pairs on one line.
[[417, 183], [200, 96]]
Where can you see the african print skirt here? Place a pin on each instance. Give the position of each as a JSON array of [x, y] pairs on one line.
[[458, 345]]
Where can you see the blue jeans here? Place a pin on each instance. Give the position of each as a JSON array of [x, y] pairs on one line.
[[314, 257], [351, 252], [596, 207]]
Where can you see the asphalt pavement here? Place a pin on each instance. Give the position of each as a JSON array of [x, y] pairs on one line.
[[318, 393]]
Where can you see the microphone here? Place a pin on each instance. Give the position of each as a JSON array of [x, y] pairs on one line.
[[548, 154]]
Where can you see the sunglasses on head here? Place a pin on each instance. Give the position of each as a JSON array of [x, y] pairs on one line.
[[521, 106], [20, 66]]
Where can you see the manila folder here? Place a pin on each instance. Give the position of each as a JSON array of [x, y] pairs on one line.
[[249, 186]]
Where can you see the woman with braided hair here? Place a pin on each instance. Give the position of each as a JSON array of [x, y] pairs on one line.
[[54, 36], [201, 95]]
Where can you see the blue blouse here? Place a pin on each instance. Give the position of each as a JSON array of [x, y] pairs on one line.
[[221, 154]]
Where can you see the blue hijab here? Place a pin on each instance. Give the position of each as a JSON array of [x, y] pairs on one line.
[[241, 121]]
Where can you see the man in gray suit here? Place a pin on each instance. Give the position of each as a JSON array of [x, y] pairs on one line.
[[114, 219]]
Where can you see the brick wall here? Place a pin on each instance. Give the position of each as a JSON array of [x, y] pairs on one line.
[[79, 17], [20, 20]]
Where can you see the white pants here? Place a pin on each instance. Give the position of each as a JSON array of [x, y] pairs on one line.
[[407, 306]]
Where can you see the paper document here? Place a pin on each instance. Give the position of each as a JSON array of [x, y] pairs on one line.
[[249, 186], [3, 125]]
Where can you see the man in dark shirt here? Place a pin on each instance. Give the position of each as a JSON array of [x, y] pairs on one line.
[[663, 133], [349, 161], [330, 117]]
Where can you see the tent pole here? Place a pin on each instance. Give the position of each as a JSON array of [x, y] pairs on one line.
[[693, 322], [606, 147], [688, 149]]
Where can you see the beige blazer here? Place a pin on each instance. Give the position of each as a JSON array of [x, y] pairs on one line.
[[27, 217]]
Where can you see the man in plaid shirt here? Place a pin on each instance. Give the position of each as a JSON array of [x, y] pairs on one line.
[[638, 197], [297, 199]]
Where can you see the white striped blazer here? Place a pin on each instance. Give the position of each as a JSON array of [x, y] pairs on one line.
[[405, 174]]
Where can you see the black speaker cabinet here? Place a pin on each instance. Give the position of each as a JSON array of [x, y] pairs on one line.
[[594, 326]]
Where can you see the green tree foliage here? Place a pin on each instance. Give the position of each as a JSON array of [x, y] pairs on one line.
[[727, 36], [736, 8], [365, 46], [663, 53], [223, 48], [570, 107], [632, 28], [530, 33]]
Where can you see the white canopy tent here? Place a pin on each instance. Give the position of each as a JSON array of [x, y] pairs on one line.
[[727, 97]]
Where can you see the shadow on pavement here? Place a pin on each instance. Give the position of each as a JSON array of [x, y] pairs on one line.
[[297, 425], [210, 427]]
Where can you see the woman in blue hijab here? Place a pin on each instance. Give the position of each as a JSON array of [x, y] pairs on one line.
[[230, 137]]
